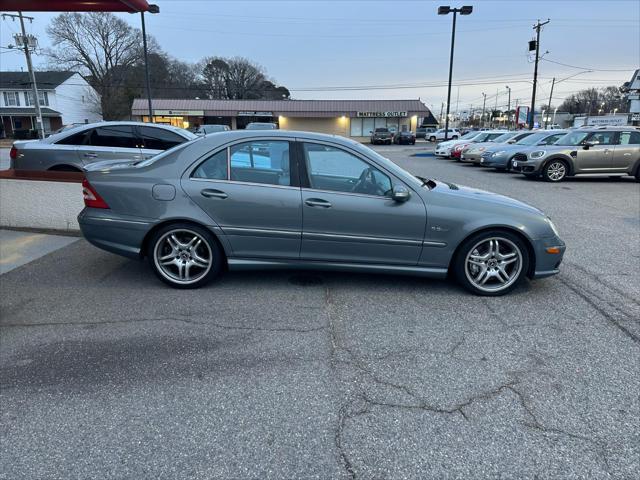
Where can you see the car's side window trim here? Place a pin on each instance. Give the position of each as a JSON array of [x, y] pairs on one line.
[[307, 181]]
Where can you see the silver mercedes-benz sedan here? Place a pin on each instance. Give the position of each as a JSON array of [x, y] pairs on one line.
[[71, 149], [283, 199]]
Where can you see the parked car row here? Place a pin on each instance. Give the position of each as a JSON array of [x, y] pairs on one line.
[[552, 155], [390, 135]]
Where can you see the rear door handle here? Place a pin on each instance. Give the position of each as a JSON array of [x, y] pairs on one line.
[[91, 155], [317, 202], [213, 193]]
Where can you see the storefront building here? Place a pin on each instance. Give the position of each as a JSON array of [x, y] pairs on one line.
[[348, 118]]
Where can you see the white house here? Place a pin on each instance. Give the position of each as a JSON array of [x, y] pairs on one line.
[[65, 98]]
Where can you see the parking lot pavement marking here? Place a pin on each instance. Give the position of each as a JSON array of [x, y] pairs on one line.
[[19, 248]]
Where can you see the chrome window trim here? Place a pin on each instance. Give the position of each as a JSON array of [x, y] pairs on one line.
[[261, 232], [236, 182], [337, 192]]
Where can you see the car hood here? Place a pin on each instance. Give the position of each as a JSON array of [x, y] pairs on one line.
[[484, 196]]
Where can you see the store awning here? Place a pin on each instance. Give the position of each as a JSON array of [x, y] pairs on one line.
[[130, 6], [27, 112]]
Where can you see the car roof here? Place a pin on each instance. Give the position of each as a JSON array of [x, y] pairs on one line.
[[85, 126]]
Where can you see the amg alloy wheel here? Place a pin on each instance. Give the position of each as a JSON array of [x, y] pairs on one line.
[[185, 256], [492, 263]]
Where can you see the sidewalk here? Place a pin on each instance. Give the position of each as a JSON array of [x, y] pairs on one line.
[[19, 248]]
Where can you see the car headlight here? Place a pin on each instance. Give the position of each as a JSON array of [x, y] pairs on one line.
[[498, 154], [537, 154], [553, 227]]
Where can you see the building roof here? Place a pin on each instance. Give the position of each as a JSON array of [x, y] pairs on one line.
[[286, 108], [21, 80], [27, 112]]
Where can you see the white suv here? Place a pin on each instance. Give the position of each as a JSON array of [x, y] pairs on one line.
[[454, 134]]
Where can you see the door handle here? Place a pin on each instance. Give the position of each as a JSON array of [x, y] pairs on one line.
[[91, 155], [317, 202], [213, 193]]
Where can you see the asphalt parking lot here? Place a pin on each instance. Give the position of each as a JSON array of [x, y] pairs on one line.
[[107, 373]]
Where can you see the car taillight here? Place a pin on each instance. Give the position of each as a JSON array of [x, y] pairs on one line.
[[13, 153], [91, 197]]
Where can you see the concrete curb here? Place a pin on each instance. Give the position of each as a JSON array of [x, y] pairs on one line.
[[38, 204]]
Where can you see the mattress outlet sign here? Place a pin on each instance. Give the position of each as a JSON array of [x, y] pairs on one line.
[[381, 114]]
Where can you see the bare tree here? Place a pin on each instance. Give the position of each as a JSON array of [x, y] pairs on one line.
[[102, 46], [592, 101], [238, 78]]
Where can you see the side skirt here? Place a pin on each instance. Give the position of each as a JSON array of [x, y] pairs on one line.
[[237, 264]]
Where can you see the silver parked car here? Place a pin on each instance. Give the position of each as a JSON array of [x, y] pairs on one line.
[[613, 151], [472, 152], [207, 129], [284, 199], [500, 157], [72, 149]]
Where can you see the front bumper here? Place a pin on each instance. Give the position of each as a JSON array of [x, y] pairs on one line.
[[443, 152], [470, 157], [494, 162], [114, 233], [528, 166], [548, 264]]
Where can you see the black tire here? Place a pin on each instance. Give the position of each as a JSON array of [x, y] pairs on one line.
[[455, 137], [208, 245], [637, 175], [555, 171], [432, 139], [519, 271]]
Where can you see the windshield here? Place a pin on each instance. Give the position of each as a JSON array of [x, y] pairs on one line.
[[532, 139], [573, 138], [504, 137], [469, 135]]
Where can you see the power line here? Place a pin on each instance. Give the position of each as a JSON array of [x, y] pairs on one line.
[[589, 68]]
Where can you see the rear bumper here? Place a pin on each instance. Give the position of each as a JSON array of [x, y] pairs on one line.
[[114, 233]]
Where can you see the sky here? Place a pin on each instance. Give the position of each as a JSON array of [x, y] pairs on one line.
[[385, 49]]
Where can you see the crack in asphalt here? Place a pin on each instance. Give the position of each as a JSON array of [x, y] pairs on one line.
[[168, 319], [361, 402]]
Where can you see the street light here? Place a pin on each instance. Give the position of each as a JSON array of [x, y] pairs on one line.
[[445, 10]]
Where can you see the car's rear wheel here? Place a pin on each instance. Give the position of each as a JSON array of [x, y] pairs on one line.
[[555, 171], [184, 255], [432, 138], [455, 137], [491, 263]]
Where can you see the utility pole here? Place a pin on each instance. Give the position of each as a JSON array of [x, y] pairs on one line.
[[441, 108], [34, 87], [484, 102], [495, 108], [509, 105], [537, 28], [549, 106]]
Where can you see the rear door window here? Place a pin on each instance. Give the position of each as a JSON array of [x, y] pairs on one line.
[[261, 162], [602, 138], [159, 138], [115, 136], [629, 138], [79, 138]]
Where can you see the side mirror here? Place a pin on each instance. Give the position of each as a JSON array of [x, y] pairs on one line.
[[400, 193], [588, 145]]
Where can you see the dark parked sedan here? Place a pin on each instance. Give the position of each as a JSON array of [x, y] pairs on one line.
[[406, 137], [281, 199]]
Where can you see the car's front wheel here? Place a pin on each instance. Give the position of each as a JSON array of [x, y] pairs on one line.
[[555, 171], [432, 139], [185, 255], [491, 263]]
